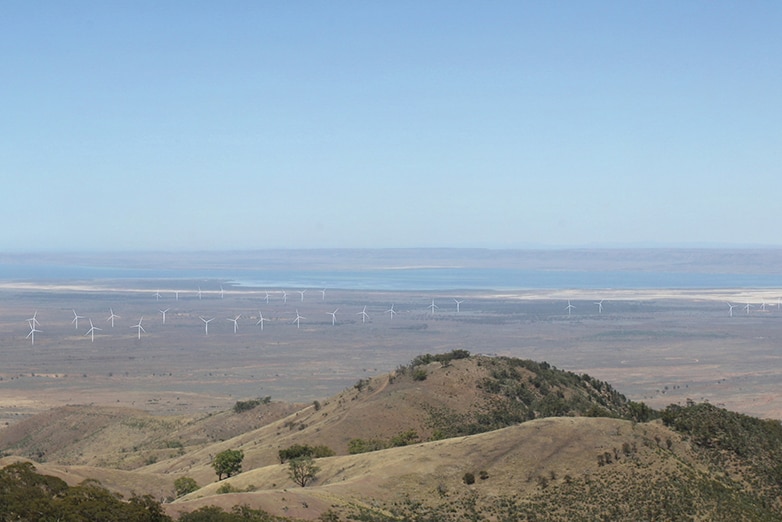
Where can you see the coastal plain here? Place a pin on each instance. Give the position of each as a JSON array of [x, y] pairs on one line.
[[655, 346]]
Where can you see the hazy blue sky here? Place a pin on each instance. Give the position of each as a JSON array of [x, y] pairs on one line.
[[210, 125]]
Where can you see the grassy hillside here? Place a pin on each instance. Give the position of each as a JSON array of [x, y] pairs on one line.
[[447, 437]]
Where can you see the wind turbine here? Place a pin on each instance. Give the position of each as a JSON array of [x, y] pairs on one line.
[[260, 320], [139, 327], [302, 294], [33, 320], [334, 316], [206, 324], [391, 311], [267, 297], [569, 307], [199, 293], [163, 312], [364, 315], [747, 307], [599, 306], [235, 321], [763, 306], [76, 318], [458, 304], [157, 295], [323, 295], [433, 307], [176, 295], [222, 292], [284, 296], [31, 335], [731, 307], [112, 316], [91, 331], [298, 319]]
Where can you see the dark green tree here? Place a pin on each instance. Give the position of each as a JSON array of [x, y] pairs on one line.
[[185, 485], [228, 463]]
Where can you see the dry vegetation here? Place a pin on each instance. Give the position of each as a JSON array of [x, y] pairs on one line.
[[455, 438]]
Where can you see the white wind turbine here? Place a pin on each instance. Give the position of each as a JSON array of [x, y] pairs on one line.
[[458, 304], [199, 293], [260, 320], [31, 335], [206, 324], [176, 295], [267, 297], [33, 321], [599, 306], [235, 321], [569, 307], [433, 307], [298, 319], [302, 294], [747, 307], [323, 295], [76, 318], [731, 307], [163, 313], [139, 327], [112, 316], [333, 316], [91, 331], [364, 315], [284, 296], [157, 295], [222, 292], [763, 305], [391, 311]]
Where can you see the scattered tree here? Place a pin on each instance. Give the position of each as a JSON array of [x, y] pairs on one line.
[[302, 470], [184, 485], [228, 463]]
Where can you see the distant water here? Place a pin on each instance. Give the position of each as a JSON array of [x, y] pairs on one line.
[[404, 279]]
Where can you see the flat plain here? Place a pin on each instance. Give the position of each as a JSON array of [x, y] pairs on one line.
[[657, 346]]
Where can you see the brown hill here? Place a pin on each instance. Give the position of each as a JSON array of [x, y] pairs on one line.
[[456, 437]]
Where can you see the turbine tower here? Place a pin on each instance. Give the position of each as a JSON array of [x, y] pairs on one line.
[[33, 321], [298, 319], [91, 331], [333, 316], [391, 311], [458, 304], [433, 307], [260, 320], [569, 307], [267, 297], [364, 315], [302, 294], [76, 318], [112, 316], [284, 296], [235, 321], [206, 324], [163, 312], [599, 306], [323, 295], [157, 295], [731, 307], [31, 335], [139, 327]]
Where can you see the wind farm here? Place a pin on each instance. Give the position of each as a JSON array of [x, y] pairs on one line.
[[657, 346]]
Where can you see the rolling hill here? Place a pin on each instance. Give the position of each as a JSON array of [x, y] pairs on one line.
[[447, 437]]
